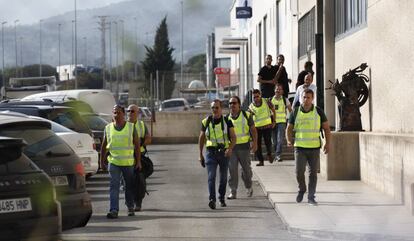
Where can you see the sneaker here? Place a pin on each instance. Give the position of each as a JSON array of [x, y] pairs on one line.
[[270, 158], [260, 164], [278, 159], [299, 197], [112, 215], [212, 204], [223, 203], [131, 212], [249, 192], [232, 196], [311, 201]]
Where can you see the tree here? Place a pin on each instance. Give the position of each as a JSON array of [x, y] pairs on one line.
[[196, 64], [159, 57]]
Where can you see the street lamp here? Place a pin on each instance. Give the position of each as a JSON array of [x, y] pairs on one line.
[[59, 25], [15, 41], [40, 47], [76, 51], [3, 82]]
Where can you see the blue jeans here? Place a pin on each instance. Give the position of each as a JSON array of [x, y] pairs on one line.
[[115, 172], [214, 159], [279, 137]]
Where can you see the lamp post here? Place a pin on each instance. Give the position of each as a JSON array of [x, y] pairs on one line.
[[182, 45], [136, 52], [122, 54], [76, 51], [117, 63], [15, 42], [73, 43], [59, 25], [3, 82], [21, 56], [110, 56], [40, 47]]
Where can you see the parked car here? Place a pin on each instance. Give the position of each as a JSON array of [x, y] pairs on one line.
[[176, 104], [28, 206], [83, 144], [101, 101], [63, 115], [58, 160], [97, 125]]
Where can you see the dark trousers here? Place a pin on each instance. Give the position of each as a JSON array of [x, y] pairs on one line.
[[305, 157], [214, 159], [267, 135]]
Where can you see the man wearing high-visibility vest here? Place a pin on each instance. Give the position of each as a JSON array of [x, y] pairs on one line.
[[263, 116], [145, 140], [244, 129], [121, 148], [306, 122], [217, 133], [281, 104]]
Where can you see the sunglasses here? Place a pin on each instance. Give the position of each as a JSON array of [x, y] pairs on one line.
[[233, 103], [214, 107], [131, 111]]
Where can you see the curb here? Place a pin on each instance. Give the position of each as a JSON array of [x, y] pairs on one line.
[[329, 235]]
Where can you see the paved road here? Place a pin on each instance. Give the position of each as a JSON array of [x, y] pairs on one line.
[[176, 208]]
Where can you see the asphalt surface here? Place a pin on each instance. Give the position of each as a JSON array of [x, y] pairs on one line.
[[176, 208]]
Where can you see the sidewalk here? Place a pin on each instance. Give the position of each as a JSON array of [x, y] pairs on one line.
[[347, 209]]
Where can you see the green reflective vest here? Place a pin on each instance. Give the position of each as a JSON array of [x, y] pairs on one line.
[[120, 144], [140, 127], [216, 134], [280, 109], [241, 127], [306, 128], [262, 114]]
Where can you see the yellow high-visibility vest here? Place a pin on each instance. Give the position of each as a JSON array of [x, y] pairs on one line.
[[241, 127], [280, 110], [140, 127], [120, 144], [307, 129], [262, 114], [216, 134]]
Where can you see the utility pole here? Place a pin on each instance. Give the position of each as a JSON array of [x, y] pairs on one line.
[[110, 56], [40, 47], [3, 78], [102, 27], [15, 42], [122, 55], [182, 45]]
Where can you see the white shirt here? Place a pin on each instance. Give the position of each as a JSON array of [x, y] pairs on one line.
[[300, 91]]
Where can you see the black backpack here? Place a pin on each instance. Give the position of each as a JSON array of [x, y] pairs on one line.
[[147, 166]]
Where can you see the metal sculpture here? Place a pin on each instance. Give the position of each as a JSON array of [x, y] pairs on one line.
[[352, 93]]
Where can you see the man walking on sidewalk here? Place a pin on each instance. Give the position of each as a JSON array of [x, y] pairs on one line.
[[244, 128], [281, 104], [218, 134], [263, 117], [266, 78], [145, 140], [307, 121], [122, 144]]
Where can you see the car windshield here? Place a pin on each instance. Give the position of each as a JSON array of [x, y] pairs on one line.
[[175, 103], [41, 142], [95, 122]]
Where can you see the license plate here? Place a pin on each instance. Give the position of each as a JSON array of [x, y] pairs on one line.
[[97, 141], [15, 205], [86, 161], [60, 180]]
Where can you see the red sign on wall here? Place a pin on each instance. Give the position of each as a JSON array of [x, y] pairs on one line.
[[219, 70]]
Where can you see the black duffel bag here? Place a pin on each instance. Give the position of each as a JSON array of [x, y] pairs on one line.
[[147, 166]]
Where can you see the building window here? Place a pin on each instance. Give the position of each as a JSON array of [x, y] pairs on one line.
[[349, 15], [307, 32]]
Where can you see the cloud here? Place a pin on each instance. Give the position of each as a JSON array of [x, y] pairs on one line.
[[30, 12]]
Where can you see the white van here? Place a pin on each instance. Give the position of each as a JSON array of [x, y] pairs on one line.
[[101, 101]]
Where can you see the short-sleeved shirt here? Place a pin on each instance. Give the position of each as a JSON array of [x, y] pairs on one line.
[[267, 73], [283, 80]]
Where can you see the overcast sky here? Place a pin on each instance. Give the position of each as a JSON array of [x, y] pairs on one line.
[[31, 11]]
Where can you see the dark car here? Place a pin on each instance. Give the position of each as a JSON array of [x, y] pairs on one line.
[[63, 115], [96, 124], [28, 206], [58, 160]]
